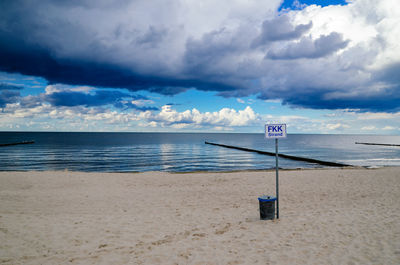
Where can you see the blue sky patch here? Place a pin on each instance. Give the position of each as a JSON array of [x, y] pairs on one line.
[[300, 4]]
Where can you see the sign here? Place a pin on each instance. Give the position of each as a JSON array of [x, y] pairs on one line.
[[275, 131]]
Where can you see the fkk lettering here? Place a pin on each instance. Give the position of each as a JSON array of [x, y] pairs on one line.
[[275, 128]]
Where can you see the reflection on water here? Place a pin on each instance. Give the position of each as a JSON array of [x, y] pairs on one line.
[[167, 152]]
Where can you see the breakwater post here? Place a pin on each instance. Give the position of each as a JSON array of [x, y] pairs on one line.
[[378, 144], [295, 158], [17, 143]]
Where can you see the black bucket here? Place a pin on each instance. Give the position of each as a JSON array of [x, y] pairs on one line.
[[267, 207]]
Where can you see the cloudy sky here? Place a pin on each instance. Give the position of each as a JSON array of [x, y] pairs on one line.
[[327, 66]]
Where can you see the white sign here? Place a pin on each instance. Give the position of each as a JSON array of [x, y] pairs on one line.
[[273, 131]]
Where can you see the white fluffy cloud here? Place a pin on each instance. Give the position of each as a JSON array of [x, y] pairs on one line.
[[225, 117], [355, 49]]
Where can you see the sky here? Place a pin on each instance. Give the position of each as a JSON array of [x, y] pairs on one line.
[[328, 66]]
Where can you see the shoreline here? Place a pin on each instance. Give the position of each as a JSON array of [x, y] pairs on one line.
[[205, 171], [327, 216]]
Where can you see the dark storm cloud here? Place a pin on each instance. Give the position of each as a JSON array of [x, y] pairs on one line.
[[308, 48], [280, 29], [387, 99], [98, 98], [8, 96], [202, 56], [32, 60], [36, 61], [8, 93], [386, 103], [76, 98], [152, 37], [390, 74], [34, 43]]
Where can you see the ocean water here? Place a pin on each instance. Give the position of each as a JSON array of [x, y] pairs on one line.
[[185, 152]]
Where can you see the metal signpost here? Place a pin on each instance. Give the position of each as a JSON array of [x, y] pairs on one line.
[[276, 131]]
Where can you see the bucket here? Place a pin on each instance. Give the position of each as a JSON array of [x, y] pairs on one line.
[[267, 207]]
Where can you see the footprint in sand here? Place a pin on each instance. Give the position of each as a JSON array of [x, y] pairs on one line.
[[223, 230]]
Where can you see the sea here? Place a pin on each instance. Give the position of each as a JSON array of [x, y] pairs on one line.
[[186, 152]]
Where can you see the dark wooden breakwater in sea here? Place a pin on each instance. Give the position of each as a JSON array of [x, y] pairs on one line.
[[296, 158], [24, 142], [378, 144]]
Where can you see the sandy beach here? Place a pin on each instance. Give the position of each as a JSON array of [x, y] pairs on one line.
[[327, 216]]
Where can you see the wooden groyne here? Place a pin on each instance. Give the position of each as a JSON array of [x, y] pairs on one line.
[[296, 158], [378, 144], [18, 143]]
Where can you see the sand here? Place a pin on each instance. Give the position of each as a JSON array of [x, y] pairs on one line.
[[327, 216]]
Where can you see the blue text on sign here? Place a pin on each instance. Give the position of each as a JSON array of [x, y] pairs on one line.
[[275, 130]]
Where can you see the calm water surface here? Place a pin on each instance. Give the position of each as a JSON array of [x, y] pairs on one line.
[[184, 152]]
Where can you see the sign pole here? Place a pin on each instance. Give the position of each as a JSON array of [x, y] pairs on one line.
[[277, 178], [276, 131]]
